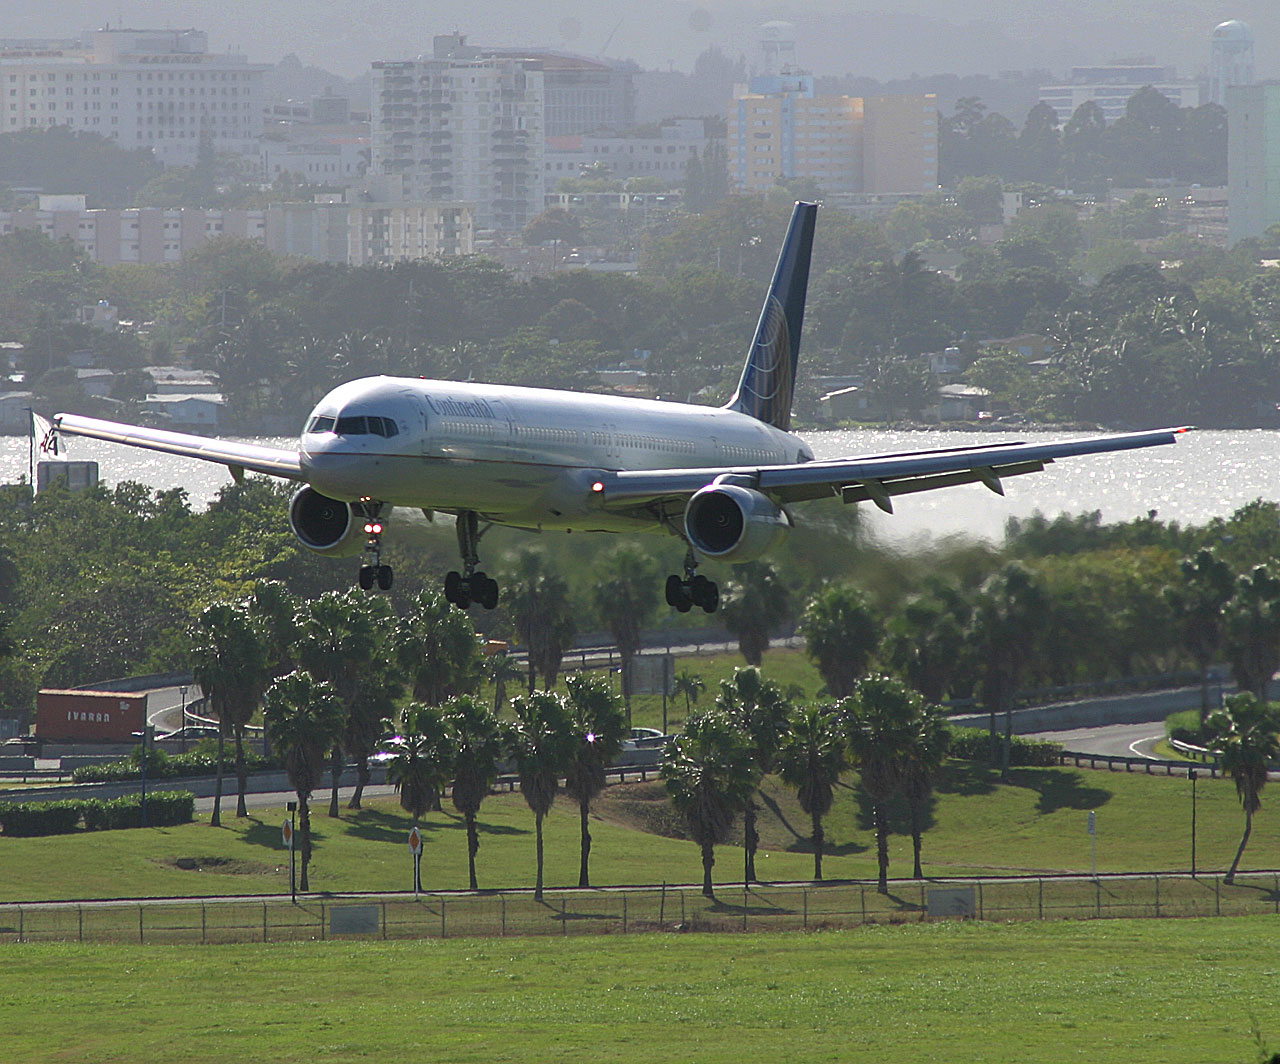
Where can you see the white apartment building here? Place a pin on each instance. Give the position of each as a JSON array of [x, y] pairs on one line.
[[664, 156], [463, 130], [1111, 86], [157, 89]]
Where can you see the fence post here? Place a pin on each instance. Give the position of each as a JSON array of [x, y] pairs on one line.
[[1040, 899], [805, 895], [662, 903], [624, 913], [1097, 896], [323, 921], [981, 910], [1217, 896], [503, 899], [1275, 891], [682, 908], [264, 921], [384, 921], [442, 923], [141, 938], [204, 924], [862, 893], [924, 908], [80, 912], [564, 924], [22, 923]]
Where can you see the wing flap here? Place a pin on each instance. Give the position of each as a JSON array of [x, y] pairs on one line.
[[237, 457]]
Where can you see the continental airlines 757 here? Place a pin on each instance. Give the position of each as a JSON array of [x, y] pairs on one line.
[[722, 480]]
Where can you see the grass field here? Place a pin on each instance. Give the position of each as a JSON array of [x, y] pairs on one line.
[[978, 826], [1174, 991]]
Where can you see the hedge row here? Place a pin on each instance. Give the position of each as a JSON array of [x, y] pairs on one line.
[[974, 744], [29, 819], [162, 766]]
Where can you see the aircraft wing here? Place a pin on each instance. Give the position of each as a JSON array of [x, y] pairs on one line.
[[235, 456], [876, 477]]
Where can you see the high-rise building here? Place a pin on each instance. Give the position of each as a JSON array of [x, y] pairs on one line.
[[158, 89], [1111, 86], [1230, 59], [463, 130], [1253, 159]]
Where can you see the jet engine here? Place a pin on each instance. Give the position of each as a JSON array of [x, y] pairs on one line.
[[326, 526], [733, 523]]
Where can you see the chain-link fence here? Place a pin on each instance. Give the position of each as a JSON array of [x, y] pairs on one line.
[[625, 911]]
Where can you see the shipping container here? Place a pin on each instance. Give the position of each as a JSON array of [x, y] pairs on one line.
[[89, 716]]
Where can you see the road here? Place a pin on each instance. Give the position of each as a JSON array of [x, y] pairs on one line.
[[164, 706], [1114, 740]]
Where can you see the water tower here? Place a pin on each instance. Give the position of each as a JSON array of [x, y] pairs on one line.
[[1230, 59], [777, 48]]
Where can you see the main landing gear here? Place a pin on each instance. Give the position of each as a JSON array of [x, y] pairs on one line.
[[372, 571], [470, 585], [693, 590]]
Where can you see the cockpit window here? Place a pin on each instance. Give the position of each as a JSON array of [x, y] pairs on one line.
[[321, 424], [355, 425], [351, 426]]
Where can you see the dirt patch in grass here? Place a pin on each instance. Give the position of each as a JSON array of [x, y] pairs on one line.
[[642, 807], [223, 866]]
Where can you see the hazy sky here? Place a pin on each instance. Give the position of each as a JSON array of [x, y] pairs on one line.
[[833, 36]]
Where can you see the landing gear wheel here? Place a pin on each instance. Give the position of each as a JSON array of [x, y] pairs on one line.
[[704, 593], [384, 577], [693, 590], [457, 590], [675, 591], [484, 590], [366, 577]]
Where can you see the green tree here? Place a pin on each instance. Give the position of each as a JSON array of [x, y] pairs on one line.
[[625, 596], [304, 719], [1197, 601], [228, 662], [755, 604], [690, 685], [415, 773], [841, 634], [925, 750], [541, 741], [538, 600], [1244, 735], [599, 726], [477, 745], [499, 670], [878, 728], [1009, 614], [710, 776], [811, 757], [758, 708], [1252, 619], [436, 647]]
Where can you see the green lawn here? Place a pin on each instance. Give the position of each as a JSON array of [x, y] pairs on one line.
[[1035, 824], [1175, 991]]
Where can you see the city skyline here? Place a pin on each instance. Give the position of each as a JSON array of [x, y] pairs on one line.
[[965, 37]]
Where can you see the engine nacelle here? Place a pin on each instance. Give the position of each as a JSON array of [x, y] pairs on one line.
[[733, 523], [326, 526]]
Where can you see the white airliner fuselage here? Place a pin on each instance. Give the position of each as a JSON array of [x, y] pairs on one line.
[[523, 456]]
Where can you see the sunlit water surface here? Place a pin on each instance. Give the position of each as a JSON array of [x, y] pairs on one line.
[[1205, 474]]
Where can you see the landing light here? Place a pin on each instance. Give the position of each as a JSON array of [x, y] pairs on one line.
[[598, 486], [373, 528]]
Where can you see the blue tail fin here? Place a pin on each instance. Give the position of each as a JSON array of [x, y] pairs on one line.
[[769, 377]]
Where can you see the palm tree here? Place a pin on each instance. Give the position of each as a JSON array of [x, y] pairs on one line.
[[538, 601], [758, 708], [275, 612], [414, 772], [1253, 630], [878, 722], [841, 633], [304, 719], [625, 598], [373, 704], [499, 669], [436, 646], [691, 686], [923, 756], [755, 603], [229, 663], [477, 746], [926, 642], [541, 742], [1244, 734], [1009, 614], [1197, 601], [430, 732], [339, 633], [599, 727], [810, 758], [710, 776]]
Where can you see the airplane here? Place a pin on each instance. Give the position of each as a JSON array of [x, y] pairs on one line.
[[722, 480]]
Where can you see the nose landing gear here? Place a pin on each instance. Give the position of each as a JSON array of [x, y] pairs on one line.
[[693, 590], [372, 571], [472, 584]]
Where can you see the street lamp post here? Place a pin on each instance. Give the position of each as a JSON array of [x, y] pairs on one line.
[[148, 731], [182, 728]]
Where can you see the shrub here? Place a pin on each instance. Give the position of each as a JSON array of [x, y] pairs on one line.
[[974, 744], [30, 819], [168, 766]]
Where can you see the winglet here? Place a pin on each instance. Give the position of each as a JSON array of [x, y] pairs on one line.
[[769, 376]]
